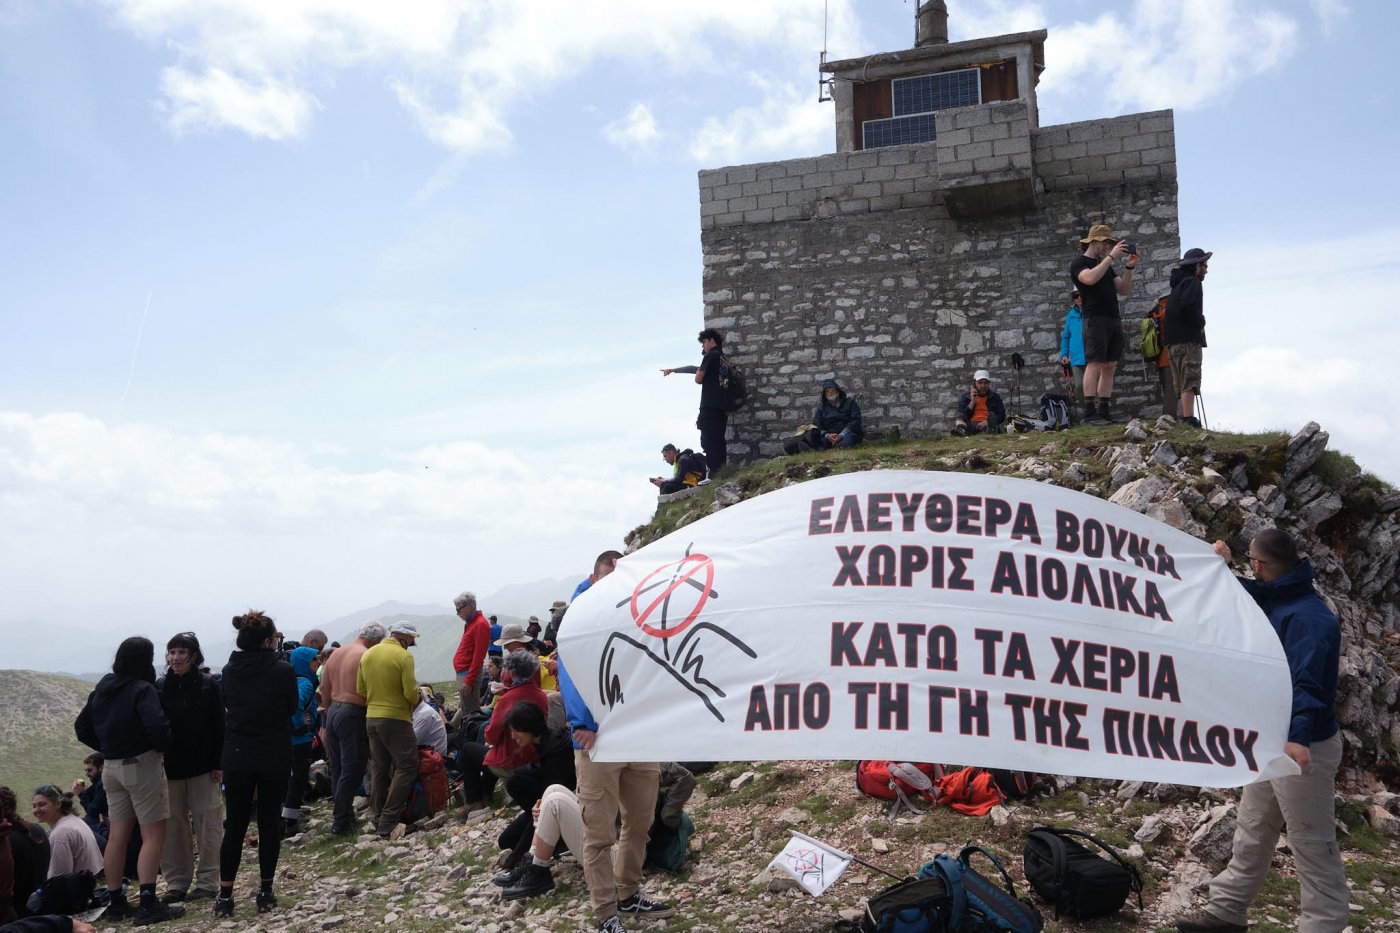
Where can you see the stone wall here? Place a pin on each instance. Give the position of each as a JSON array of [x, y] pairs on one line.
[[852, 265]]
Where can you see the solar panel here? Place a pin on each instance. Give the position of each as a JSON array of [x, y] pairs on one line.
[[937, 91], [897, 131], [927, 93]]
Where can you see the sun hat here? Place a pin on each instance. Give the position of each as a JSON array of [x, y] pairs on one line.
[[1099, 232]]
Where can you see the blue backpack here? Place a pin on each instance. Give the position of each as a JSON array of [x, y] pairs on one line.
[[950, 897], [978, 905]]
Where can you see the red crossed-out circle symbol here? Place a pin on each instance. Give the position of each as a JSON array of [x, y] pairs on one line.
[[806, 860], [693, 572]]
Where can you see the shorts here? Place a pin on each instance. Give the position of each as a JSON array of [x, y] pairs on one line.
[[136, 789], [1186, 366], [1103, 339]]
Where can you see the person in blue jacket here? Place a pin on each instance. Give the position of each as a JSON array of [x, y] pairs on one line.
[[605, 791], [1072, 343], [304, 725], [1311, 638]]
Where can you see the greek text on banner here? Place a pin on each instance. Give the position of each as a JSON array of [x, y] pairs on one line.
[[946, 617]]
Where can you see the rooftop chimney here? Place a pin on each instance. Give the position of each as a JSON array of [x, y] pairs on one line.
[[932, 24]]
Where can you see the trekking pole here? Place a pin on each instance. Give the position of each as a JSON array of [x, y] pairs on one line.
[[1201, 407], [875, 868]]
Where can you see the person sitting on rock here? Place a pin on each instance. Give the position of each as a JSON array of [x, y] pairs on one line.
[[72, 846], [980, 410], [28, 846], [527, 725], [836, 422], [558, 815], [688, 469], [481, 763], [429, 722]]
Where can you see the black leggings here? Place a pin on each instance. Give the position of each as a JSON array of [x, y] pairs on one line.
[[240, 788], [296, 784], [478, 781]]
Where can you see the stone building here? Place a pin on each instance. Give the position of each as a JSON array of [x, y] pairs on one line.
[[935, 241]]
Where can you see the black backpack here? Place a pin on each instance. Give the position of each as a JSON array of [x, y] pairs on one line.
[[1018, 785], [732, 381], [1076, 879], [68, 893], [690, 462]]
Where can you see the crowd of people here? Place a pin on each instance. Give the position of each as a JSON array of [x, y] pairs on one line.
[[187, 761]]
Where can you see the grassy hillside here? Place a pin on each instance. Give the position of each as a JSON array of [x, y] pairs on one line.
[[37, 745]]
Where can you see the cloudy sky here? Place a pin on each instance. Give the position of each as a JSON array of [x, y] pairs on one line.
[[306, 306]]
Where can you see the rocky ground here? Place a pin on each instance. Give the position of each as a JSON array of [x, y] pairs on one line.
[[439, 879]]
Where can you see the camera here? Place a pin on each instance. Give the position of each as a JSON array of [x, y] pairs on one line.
[[1132, 249]]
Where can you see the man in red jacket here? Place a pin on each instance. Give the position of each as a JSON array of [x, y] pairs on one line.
[[476, 635]]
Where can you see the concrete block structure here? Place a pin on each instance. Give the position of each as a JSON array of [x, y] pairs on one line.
[[934, 242]]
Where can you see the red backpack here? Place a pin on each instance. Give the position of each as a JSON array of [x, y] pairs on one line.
[[875, 780], [429, 792], [972, 791]]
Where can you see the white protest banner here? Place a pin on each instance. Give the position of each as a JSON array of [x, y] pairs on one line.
[[946, 617], [814, 864]]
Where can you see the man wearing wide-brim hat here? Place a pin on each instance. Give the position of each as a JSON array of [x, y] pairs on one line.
[[1099, 286], [1184, 329]]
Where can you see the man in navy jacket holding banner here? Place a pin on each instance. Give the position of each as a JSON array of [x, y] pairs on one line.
[[1311, 638]]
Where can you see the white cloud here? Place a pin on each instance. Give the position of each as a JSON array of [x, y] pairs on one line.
[[268, 109], [175, 525], [787, 123], [136, 511], [636, 130], [1148, 55], [460, 67]]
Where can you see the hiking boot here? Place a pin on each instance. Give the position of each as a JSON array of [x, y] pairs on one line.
[[534, 881], [156, 913], [223, 906], [199, 895], [960, 430], [512, 877], [611, 925], [1203, 921], [118, 909], [290, 828], [1192, 420], [173, 897], [639, 906], [266, 901]]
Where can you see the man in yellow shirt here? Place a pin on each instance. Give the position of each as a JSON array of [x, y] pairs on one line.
[[386, 680]]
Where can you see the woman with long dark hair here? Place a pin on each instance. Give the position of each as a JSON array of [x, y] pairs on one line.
[[29, 845], [260, 694], [123, 720]]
